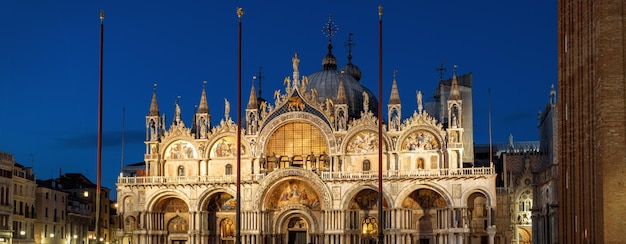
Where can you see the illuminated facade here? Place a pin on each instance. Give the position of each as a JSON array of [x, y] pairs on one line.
[[7, 161], [309, 167], [23, 204]]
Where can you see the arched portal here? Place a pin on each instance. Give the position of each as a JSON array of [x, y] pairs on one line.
[[478, 214], [294, 205], [170, 218], [297, 230], [363, 217], [426, 207], [219, 212]]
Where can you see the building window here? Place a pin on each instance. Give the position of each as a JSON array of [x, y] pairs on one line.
[[420, 163], [297, 138], [181, 171], [367, 165], [46, 195], [229, 169]]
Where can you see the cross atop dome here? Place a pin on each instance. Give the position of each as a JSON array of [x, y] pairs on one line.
[[330, 28]]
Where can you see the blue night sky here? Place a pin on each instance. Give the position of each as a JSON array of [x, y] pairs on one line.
[[49, 64]]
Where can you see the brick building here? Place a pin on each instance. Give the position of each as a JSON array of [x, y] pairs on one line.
[[592, 111]]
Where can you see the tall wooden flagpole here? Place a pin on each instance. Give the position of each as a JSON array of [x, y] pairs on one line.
[[381, 216], [238, 201], [99, 154]]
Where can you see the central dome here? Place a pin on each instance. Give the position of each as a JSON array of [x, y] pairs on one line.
[[326, 82]]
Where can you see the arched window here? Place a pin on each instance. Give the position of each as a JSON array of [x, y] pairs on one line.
[[369, 227], [227, 228], [181, 171], [228, 170], [367, 166]]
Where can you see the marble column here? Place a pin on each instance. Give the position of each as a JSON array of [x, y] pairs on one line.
[[491, 231]]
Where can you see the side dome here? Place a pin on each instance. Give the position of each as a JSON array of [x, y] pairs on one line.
[[352, 70]]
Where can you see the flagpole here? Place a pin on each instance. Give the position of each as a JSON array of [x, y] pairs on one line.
[[380, 126], [238, 197], [99, 153], [490, 143]]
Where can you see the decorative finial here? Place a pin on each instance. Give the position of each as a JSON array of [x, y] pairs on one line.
[[454, 70], [239, 13], [380, 11], [260, 76], [203, 84], [350, 44], [101, 15], [441, 69], [330, 28], [253, 79], [395, 73], [154, 88], [177, 99]]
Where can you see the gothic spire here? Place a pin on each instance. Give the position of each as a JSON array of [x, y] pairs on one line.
[[252, 102], [455, 94], [204, 105], [341, 93], [154, 105], [394, 98]]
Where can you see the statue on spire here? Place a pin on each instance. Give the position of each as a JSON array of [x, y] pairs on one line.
[[296, 61], [226, 109], [419, 102], [177, 117]]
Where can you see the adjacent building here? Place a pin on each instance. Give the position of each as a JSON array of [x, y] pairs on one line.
[[6, 196], [591, 114], [24, 213], [82, 194], [51, 218]]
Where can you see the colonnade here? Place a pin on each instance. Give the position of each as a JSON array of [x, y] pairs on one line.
[[450, 225]]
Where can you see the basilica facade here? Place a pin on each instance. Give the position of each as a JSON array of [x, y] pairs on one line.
[[309, 170]]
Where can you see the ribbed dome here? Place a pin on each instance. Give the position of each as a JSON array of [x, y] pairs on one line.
[[326, 82]]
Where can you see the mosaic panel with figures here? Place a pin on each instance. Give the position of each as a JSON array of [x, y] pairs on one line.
[[424, 199], [292, 192], [222, 202], [180, 150], [366, 200], [170, 205], [363, 142], [420, 140], [226, 147]]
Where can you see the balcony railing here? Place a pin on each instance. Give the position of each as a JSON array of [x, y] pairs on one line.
[[365, 175]]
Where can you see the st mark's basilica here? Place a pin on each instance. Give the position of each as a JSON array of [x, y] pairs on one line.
[[309, 168]]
